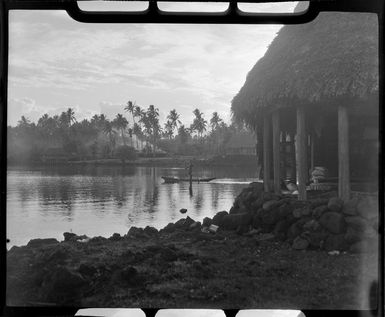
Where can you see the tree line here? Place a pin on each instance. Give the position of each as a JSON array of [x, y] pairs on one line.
[[99, 137]]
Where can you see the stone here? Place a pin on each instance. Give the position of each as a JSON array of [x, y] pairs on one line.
[[300, 243], [232, 222], [242, 229], [206, 222], [306, 211], [352, 235], [87, 270], [311, 225], [256, 222], [69, 236], [335, 242], [150, 231], [319, 211], [270, 217], [317, 239], [361, 225], [297, 213], [233, 210], [335, 204], [350, 207], [294, 231], [281, 228], [334, 222], [270, 204], [217, 219], [314, 203], [195, 225], [135, 231], [265, 237], [115, 237], [285, 210], [36, 243], [368, 208]]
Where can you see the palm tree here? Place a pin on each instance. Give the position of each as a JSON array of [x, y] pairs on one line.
[[199, 124], [120, 123], [108, 129], [70, 116], [131, 109], [168, 129], [215, 121], [173, 117], [152, 115]]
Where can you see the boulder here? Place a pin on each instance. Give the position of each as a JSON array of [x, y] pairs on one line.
[[357, 223], [300, 243], [335, 242], [115, 237], [350, 207], [285, 210], [232, 222], [297, 213], [256, 221], [270, 204], [242, 229], [311, 225], [317, 239], [195, 226], [150, 231], [256, 204], [368, 208], [352, 235], [319, 211], [306, 211], [314, 203], [270, 217], [294, 231], [206, 222], [281, 228], [334, 222], [135, 231], [36, 243], [335, 204], [217, 219], [69, 236]]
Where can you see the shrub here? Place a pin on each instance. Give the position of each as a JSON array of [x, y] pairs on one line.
[[126, 152]]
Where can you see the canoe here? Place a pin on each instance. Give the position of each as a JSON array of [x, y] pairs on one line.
[[168, 179]]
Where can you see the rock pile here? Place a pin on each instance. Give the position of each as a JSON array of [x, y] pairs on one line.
[[320, 223]]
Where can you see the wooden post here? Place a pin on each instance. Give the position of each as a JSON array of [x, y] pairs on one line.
[[312, 139], [266, 152], [293, 160], [343, 154], [276, 154], [302, 153]]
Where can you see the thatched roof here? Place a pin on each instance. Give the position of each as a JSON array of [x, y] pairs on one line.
[[333, 57]]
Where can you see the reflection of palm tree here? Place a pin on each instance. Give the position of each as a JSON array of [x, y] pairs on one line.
[[120, 123]]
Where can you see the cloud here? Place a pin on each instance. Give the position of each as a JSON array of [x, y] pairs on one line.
[[58, 61]]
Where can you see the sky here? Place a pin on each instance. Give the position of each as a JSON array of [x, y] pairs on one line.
[[56, 63]]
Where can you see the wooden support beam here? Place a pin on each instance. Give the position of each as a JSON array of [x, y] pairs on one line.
[[343, 154], [302, 153], [266, 153], [276, 152], [293, 160]]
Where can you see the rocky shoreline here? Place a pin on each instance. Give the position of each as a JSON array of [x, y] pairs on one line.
[[268, 251]]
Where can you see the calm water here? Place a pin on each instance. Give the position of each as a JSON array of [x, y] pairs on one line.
[[97, 201]]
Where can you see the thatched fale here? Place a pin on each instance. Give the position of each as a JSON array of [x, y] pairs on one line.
[[332, 60]]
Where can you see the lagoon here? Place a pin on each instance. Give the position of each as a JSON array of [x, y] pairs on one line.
[[44, 202]]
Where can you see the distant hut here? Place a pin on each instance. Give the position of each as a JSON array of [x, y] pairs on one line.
[[318, 85]]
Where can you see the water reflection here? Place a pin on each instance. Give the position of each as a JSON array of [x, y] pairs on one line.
[[103, 200]]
